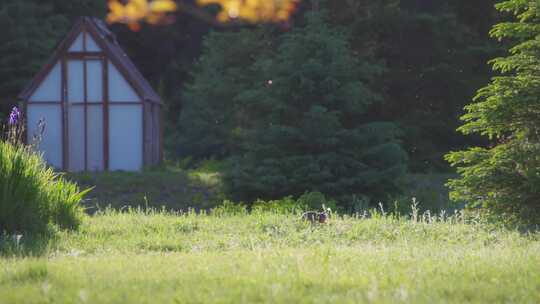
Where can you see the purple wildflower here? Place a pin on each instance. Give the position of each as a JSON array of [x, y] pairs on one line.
[[14, 116]]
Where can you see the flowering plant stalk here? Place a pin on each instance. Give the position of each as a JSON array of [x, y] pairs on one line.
[[15, 127]]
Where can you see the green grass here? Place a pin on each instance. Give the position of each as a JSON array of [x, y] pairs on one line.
[[170, 187], [32, 196], [159, 257]]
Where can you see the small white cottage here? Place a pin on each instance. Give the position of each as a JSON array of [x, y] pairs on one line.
[[99, 111]]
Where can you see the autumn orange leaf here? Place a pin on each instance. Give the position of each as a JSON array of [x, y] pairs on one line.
[[253, 10], [135, 11], [162, 6]]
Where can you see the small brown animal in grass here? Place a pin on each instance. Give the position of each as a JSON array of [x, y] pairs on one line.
[[315, 217]]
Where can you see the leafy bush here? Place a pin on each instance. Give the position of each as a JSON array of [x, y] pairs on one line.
[[32, 196], [287, 205]]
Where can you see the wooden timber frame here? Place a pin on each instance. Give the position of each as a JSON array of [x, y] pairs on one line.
[[150, 102]]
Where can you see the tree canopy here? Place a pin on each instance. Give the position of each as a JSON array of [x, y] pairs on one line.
[[504, 178], [291, 112], [433, 52]]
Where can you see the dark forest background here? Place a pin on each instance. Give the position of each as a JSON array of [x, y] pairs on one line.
[[432, 54]]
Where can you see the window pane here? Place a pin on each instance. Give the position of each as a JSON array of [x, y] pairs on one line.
[[95, 138], [75, 81], [94, 78], [91, 45], [76, 138], [125, 137], [119, 89], [77, 45], [51, 87], [51, 141]]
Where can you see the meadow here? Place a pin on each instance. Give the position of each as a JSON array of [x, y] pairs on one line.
[[232, 256]]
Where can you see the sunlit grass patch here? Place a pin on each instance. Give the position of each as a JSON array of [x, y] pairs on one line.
[[153, 256]]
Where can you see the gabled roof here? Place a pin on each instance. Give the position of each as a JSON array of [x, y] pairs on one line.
[[108, 43]]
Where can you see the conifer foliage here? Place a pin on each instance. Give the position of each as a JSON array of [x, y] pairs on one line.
[[30, 32], [504, 179], [311, 133], [212, 115], [298, 116]]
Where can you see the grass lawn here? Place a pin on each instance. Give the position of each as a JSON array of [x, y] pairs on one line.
[[171, 187], [158, 257]]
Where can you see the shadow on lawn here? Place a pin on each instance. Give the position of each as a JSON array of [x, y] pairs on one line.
[[26, 245], [169, 188]]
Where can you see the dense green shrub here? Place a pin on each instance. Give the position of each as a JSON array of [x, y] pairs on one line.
[[309, 129], [504, 180], [32, 196], [286, 205], [228, 208], [309, 201]]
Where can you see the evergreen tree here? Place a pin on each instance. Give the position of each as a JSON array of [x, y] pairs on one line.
[[212, 118], [504, 179], [436, 53], [30, 31], [308, 129]]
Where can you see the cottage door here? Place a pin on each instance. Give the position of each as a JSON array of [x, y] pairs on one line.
[[84, 106]]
